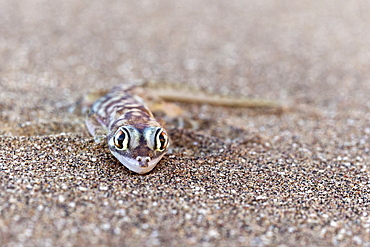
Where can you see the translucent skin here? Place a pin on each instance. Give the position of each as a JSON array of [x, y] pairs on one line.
[[119, 112]]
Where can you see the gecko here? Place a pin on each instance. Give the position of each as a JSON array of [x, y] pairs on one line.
[[133, 135]]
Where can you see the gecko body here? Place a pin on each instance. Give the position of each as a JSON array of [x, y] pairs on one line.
[[133, 135]]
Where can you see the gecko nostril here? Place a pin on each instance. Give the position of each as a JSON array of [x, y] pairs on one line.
[[143, 159]]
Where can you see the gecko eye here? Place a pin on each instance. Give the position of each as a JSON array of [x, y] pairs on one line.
[[121, 139], [161, 140]]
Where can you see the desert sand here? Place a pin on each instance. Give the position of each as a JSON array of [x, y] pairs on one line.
[[233, 176]]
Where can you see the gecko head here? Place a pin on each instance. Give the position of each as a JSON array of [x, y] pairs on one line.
[[139, 148]]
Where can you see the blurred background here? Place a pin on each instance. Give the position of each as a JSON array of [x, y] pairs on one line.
[[303, 52]]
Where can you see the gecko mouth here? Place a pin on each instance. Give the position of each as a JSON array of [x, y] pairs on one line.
[[136, 166]]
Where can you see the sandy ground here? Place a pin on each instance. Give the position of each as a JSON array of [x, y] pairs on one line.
[[241, 177]]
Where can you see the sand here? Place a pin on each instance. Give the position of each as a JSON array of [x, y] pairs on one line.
[[233, 177]]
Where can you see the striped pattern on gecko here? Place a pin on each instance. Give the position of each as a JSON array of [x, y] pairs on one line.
[[134, 137]]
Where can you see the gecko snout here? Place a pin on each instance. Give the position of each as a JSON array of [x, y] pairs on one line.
[[143, 160]]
